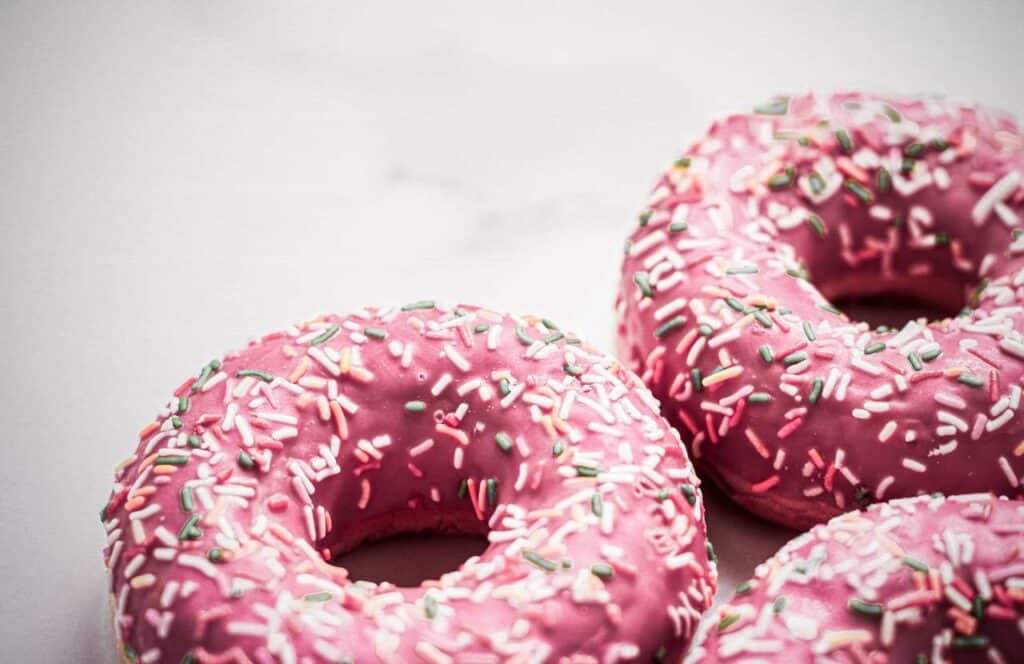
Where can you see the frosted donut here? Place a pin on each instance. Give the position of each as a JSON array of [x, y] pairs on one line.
[[929, 580], [796, 411], [277, 458]]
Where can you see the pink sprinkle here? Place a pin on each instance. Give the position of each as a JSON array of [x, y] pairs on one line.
[[789, 428], [765, 485], [364, 494]]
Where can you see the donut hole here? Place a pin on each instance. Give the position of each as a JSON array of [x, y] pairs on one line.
[[406, 548], [894, 302], [895, 308], [389, 559]]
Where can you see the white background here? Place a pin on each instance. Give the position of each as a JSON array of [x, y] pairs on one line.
[[177, 177]]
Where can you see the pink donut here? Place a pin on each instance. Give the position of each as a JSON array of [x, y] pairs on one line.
[[348, 428], [796, 411], [930, 580]]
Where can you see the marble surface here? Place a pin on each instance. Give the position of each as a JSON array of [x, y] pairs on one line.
[[177, 176]]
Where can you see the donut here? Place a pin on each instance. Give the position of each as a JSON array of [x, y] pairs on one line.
[[927, 580], [726, 304], [277, 458]]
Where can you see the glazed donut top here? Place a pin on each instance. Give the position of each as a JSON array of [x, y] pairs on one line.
[[725, 301], [276, 458], [929, 580]]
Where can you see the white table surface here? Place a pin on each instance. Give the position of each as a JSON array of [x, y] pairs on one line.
[[178, 176]]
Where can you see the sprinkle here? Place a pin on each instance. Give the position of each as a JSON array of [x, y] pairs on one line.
[[864, 608], [643, 281], [668, 326], [968, 379], [245, 461], [375, 332], [419, 305], [415, 406], [857, 189], [877, 347], [766, 354], [759, 397], [915, 564], [728, 621], [809, 331], [602, 570], [539, 561], [845, 144], [596, 505], [884, 181], [777, 106], [794, 358], [816, 388], [689, 492], [262, 375], [326, 335], [504, 441]]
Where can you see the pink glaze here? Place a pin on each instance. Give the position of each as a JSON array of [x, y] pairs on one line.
[[935, 580], [796, 411], [393, 420]]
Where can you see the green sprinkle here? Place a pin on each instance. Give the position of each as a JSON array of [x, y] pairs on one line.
[[698, 381], [189, 531], [663, 495], [415, 406], [689, 492], [185, 497], [845, 144], [816, 387], [759, 397], [668, 326], [735, 304], [876, 347], [182, 404], [940, 144], [914, 360], [245, 461], [523, 337], [682, 162], [777, 106], [175, 421], [712, 556], [597, 505], [171, 460], [677, 227], [978, 607], [643, 280], [891, 113], [817, 183], [557, 335], [968, 379], [809, 331], [864, 608], [195, 442], [587, 471], [204, 375], [728, 621], [883, 181], [645, 217], [482, 327], [317, 597], [463, 488], [262, 375], [744, 588], [779, 605], [860, 191], [215, 555], [762, 318], [743, 269], [375, 332], [504, 387], [420, 304], [766, 353], [907, 166], [931, 354], [660, 653], [705, 330], [783, 179], [829, 308], [974, 642], [572, 369], [326, 335], [429, 606], [794, 358], [817, 225], [539, 561], [914, 150], [915, 564], [601, 570], [558, 448], [492, 490]]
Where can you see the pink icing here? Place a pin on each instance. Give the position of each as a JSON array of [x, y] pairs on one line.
[[913, 580], [391, 420], [803, 414]]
